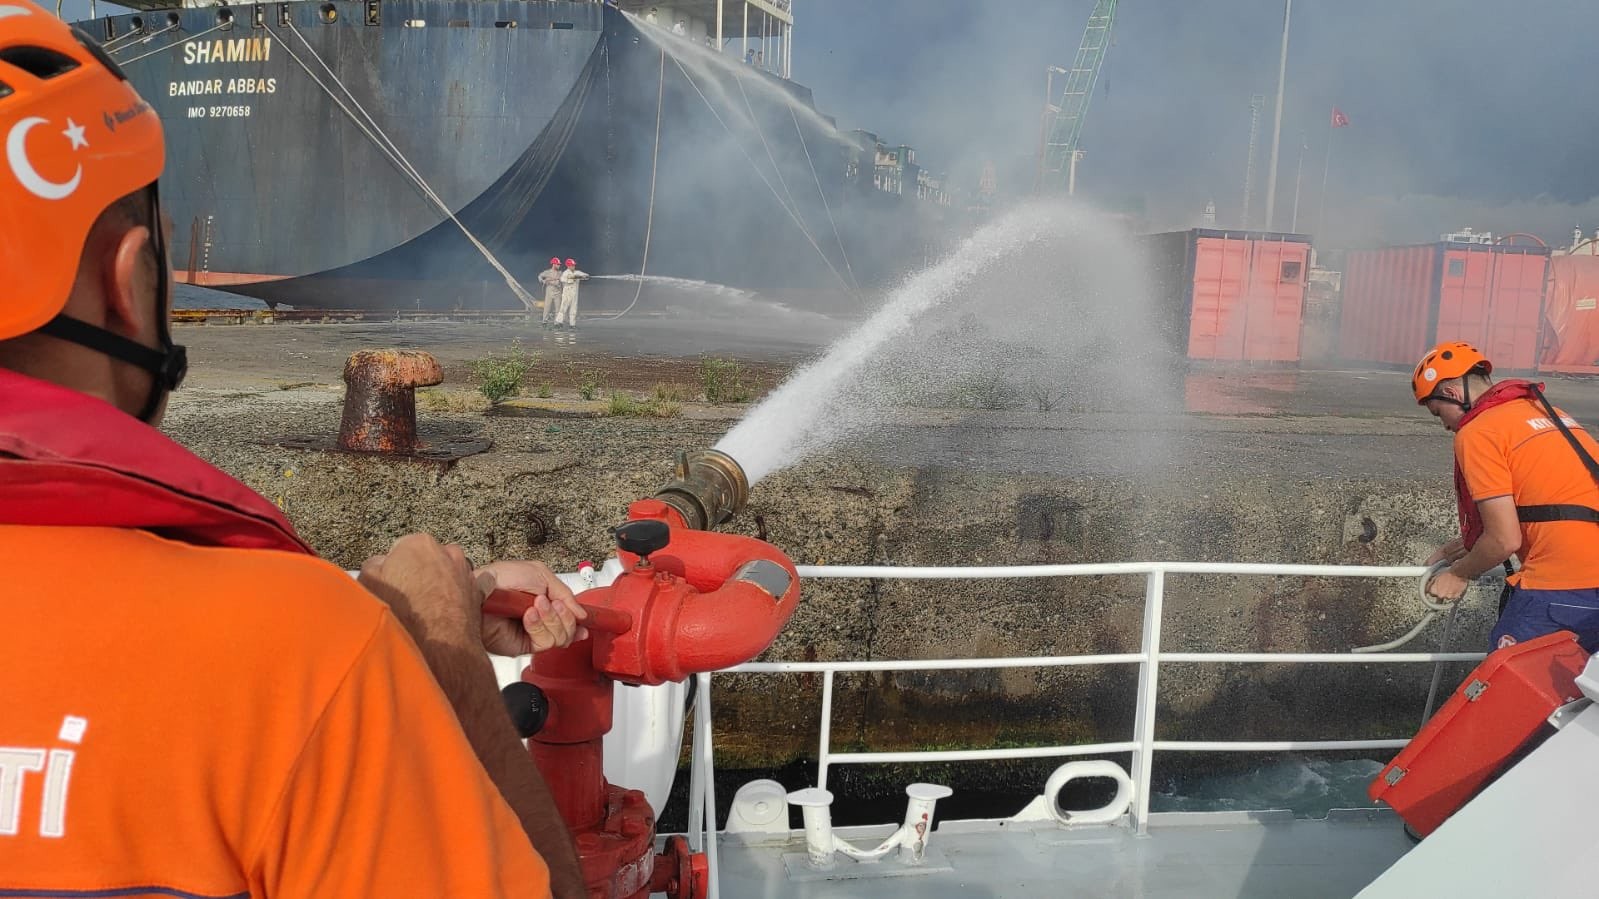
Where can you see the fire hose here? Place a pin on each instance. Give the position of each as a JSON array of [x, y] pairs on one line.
[[1434, 609]]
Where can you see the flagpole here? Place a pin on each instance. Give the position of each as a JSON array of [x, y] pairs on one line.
[[1321, 211], [1277, 126], [1299, 176]]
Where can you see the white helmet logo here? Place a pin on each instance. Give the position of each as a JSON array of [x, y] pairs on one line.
[[1430, 375], [7, 12], [22, 166]]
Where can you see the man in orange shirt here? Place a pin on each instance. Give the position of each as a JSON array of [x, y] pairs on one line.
[[1524, 489], [194, 704]]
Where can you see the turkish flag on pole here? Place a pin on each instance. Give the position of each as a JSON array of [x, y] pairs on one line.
[[1339, 120]]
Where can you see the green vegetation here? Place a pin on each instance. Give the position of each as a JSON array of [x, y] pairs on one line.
[[499, 375], [722, 381]]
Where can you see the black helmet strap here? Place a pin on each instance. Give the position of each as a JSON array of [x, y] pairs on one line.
[[166, 365]]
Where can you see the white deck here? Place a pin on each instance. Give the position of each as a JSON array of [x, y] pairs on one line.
[[1189, 855]]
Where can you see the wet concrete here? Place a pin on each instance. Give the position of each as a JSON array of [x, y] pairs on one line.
[[1307, 467]]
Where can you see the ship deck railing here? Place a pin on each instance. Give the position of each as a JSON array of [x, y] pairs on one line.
[[1143, 746]]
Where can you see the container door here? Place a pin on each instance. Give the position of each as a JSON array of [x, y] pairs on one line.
[[1493, 300], [1516, 309], [1572, 310], [1218, 317], [1386, 306], [1276, 301], [1463, 294]]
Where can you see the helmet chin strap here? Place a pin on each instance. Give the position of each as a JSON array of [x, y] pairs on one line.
[[168, 364], [1465, 389]]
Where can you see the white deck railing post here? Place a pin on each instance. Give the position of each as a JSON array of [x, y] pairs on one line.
[[696, 776], [824, 752], [702, 722], [1148, 688]]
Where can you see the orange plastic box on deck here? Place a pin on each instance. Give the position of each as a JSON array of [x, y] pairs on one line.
[[1495, 712], [1231, 296], [1400, 301]]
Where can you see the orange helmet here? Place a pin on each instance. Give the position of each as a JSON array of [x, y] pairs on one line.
[[1443, 362], [77, 139], [571, 263]]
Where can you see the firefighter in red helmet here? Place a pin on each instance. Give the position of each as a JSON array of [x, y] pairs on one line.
[[551, 279], [570, 280]]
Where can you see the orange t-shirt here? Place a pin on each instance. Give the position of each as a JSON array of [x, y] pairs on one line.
[[1514, 450], [187, 721]]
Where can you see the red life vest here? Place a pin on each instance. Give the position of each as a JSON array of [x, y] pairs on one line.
[[1466, 507], [67, 458]]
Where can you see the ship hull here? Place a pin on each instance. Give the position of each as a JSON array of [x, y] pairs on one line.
[[415, 153]]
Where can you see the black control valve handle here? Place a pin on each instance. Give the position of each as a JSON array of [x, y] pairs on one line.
[[643, 537], [528, 706]]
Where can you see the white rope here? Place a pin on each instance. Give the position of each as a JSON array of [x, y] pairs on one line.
[[649, 218], [376, 134], [762, 175], [1434, 609], [756, 124], [1438, 669], [202, 34], [823, 194]]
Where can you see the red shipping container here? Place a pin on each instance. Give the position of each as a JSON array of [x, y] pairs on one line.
[[1501, 706], [1232, 296], [1571, 341], [1399, 302]]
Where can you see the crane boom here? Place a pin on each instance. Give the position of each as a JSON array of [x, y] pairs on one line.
[[1064, 120]]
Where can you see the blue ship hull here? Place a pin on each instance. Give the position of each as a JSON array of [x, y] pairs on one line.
[[339, 154]]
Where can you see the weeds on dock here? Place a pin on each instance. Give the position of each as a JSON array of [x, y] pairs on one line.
[[722, 381], [590, 382], [625, 404], [986, 390], [433, 399], [672, 393], [1044, 399], [499, 375]]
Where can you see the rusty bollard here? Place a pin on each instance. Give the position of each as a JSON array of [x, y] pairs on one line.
[[380, 399]]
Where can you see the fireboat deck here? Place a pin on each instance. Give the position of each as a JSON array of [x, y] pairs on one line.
[[1187, 854]]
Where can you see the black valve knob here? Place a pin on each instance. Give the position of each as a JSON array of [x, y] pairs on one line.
[[528, 706], [643, 537]]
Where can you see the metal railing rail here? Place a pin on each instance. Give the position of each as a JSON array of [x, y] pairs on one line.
[[1143, 745]]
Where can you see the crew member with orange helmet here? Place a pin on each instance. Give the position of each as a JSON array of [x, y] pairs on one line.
[[551, 279], [1527, 485], [193, 703]]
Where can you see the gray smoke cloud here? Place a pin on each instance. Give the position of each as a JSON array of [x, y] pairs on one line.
[[1462, 113]]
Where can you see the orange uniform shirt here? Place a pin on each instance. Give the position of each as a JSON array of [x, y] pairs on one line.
[[1514, 450], [201, 722]]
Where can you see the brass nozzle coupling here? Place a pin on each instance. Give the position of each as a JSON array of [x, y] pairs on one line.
[[709, 488]]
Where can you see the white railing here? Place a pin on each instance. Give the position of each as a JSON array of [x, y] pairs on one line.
[[1143, 745]]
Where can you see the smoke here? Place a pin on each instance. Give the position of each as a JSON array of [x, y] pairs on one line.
[[1461, 113]]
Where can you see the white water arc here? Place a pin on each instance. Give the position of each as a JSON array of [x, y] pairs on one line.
[[1046, 306]]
